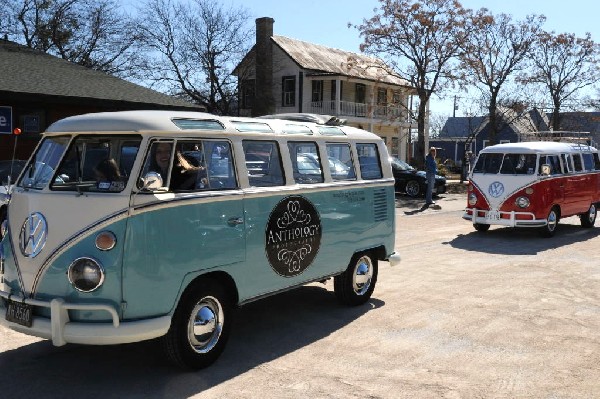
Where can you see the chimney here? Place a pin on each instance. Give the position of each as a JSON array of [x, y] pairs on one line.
[[264, 103]]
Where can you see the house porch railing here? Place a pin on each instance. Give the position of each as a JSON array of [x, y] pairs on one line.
[[347, 108]]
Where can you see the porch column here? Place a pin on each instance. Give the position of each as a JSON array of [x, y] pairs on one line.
[[402, 140], [338, 94]]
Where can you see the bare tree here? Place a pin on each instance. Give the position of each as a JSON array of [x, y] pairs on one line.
[[436, 123], [419, 39], [494, 51], [564, 64], [92, 33], [192, 49]]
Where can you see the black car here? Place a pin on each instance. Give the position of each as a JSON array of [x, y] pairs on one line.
[[413, 182]]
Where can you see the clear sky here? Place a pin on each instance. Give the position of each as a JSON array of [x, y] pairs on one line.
[[325, 22]]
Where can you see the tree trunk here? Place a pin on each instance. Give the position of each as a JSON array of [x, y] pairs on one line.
[[420, 151], [556, 115], [493, 121]]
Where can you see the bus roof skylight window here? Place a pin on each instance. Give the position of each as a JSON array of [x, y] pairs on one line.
[[198, 124]]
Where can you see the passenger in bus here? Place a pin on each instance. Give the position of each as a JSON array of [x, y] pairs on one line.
[[107, 170], [184, 175], [161, 158]]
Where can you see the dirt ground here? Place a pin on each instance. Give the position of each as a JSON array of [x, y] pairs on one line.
[[504, 314]]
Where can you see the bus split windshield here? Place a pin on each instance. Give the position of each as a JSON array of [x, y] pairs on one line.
[[506, 164]]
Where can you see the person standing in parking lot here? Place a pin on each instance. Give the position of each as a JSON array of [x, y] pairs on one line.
[[430, 172]]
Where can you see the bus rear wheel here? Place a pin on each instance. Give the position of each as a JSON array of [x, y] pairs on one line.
[[355, 286], [589, 218], [551, 223], [200, 326]]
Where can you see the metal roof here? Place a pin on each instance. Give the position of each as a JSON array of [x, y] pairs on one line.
[[327, 60], [29, 71]]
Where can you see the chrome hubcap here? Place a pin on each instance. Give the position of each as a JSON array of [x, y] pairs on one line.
[[592, 213], [552, 220], [412, 188], [363, 273], [205, 324]]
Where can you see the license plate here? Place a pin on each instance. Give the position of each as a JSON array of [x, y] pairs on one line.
[[493, 215], [20, 313]]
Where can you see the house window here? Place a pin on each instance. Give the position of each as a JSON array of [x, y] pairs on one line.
[[317, 91], [333, 89], [396, 98], [381, 96], [360, 95], [381, 102], [288, 91], [248, 93], [395, 146]]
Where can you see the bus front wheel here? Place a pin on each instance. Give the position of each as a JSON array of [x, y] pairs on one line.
[[481, 227], [200, 326], [551, 223], [355, 286]]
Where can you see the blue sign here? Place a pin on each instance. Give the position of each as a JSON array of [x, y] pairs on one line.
[[5, 120]]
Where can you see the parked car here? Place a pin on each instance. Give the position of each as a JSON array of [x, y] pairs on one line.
[[338, 169], [412, 181], [8, 166]]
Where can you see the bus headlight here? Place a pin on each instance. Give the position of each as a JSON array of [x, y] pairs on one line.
[[85, 274], [522, 202], [472, 199]]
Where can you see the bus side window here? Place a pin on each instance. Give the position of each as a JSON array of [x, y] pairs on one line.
[[588, 161], [340, 162], [596, 161], [263, 163], [554, 163], [306, 163], [368, 159], [566, 161], [220, 173], [158, 161], [578, 165], [202, 165]]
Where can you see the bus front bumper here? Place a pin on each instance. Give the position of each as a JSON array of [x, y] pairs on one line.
[[501, 218], [61, 330], [394, 259]]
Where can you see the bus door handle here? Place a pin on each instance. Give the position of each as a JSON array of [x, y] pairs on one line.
[[235, 221]]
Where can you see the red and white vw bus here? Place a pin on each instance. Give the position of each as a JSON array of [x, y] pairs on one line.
[[534, 184]]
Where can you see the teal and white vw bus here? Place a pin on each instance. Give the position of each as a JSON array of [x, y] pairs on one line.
[[134, 225]]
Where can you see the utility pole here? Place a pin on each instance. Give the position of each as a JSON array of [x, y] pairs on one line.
[[454, 108]]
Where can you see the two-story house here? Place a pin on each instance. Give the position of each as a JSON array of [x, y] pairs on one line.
[[284, 75]]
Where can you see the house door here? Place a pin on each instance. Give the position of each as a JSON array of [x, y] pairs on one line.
[[360, 99]]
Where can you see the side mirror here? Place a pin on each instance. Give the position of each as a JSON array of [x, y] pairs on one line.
[[546, 169], [152, 181]]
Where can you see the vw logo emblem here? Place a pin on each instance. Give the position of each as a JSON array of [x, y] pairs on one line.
[[33, 235], [496, 189]]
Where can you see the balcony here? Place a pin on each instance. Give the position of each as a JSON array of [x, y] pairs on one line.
[[352, 109]]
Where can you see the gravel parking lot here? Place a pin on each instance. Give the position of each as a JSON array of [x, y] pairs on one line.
[[504, 314]]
